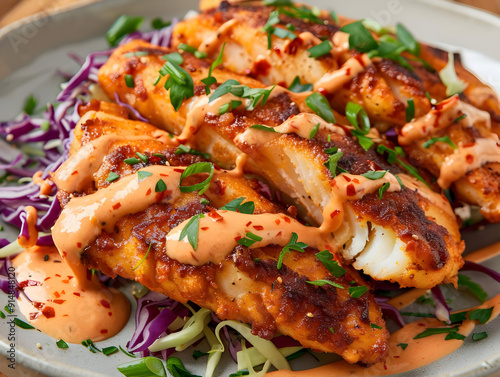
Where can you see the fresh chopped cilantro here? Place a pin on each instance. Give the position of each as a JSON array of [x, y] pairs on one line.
[[291, 245], [320, 50], [360, 37], [319, 104], [373, 175], [90, 346], [481, 315], [237, 205], [434, 331], [249, 240], [297, 87], [263, 128], [209, 80], [109, 350], [322, 282], [160, 186], [185, 149], [190, 231], [383, 189], [62, 344], [331, 265], [142, 175], [196, 168], [473, 287]]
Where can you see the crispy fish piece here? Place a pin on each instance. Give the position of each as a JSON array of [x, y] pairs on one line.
[[246, 284], [417, 230]]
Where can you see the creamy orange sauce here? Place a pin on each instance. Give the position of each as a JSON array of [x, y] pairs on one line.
[[332, 81], [274, 229], [340, 42], [84, 218], [31, 218], [441, 117], [467, 158], [77, 172], [239, 168], [349, 187], [59, 306], [418, 353], [45, 184]]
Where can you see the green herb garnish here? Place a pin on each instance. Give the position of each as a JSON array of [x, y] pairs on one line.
[[237, 205], [160, 186], [374, 175], [109, 350], [445, 139], [331, 265], [481, 315], [129, 81], [196, 168], [297, 87], [322, 282], [479, 336], [291, 245], [112, 176], [143, 258], [185, 149], [122, 26], [142, 175], [358, 291], [410, 110], [319, 104], [147, 366], [321, 49], [209, 80], [249, 240], [263, 128], [190, 231], [62, 344]]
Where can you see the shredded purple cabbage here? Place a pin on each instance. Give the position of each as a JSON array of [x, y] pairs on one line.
[[390, 311], [472, 266], [130, 108], [441, 309]]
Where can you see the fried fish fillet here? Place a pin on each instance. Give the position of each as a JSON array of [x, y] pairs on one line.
[[407, 237], [246, 284], [382, 86]]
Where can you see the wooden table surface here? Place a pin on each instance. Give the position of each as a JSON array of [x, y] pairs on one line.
[[12, 10]]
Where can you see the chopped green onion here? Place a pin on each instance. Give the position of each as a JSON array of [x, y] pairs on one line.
[[132, 161], [373, 175], [143, 258], [373, 25], [122, 26], [192, 50], [363, 140], [179, 83], [463, 116], [109, 350], [455, 335], [458, 317], [158, 23], [196, 168], [450, 79], [197, 354], [313, 132], [400, 181], [434, 331], [237, 205], [322, 282], [129, 81], [142, 175], [374, 326], [297, 87], [334, 16], [143, 157], [405, 37], [20, 323], [479, 336], [332, 330], [160, 186], [263, 128], [383, 189], [410, 110], [135, 53], [291, 245], [334, 156], [190, 231], [445, 139], [352, 112], [147, 366], [209, 80], [2, 315], [360, 37], [319, 104], [112, 176], [321, 49], [473, 287], [403, 345], [481, 315], [224, 108], [358, 291], [204, 201], [331, 265], [62, 344], [185, 149], [127, 353], [413, 171], [30, 105], [249, 240], [90, 346]]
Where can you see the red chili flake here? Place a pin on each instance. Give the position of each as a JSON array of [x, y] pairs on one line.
[[214, 215], [396, 357], [258, 227], [148, 192], [29, 283], [59, 302], [34, 316], [116, 206], [79, 245], [277, 221], [385, 367], [422, 324], [63, 292], [65, 254], [110, 314], [424, 129], [350, 190], [469, 145], [163, 175], [65, 315], [56, 294], [355, 180], [38, 305], [248, 224], [66, 281], [49, 312], [334, 213], [105, 304], [58, 275], [70, 277], [333, 183], [469, 158], [323, 91], [287, 220], [346, 178], [75, 172], [179, 170], [237, 238], [47, 278], [77, 294], [348, 71], [205, 228], [154, 159], [104, 331], [279, 234]]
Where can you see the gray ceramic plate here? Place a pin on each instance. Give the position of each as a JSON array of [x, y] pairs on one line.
[[32, 50]]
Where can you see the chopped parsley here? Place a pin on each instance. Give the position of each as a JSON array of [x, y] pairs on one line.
[[90, 346], [445, 139], [360, 37], [255, 95], [109, 350], [434, 331], [129, 81], [373, 175], [334, 155], [358, 291], [322, 282], [403, 345], [62, 344], [292, 245], [479, 336], [297, 87], [320, 50], [249, 240], [319, 104], [237, 205], [196, 168], [331, 265], [481, 315], [160, 186], [190, 231], [204, 201]]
